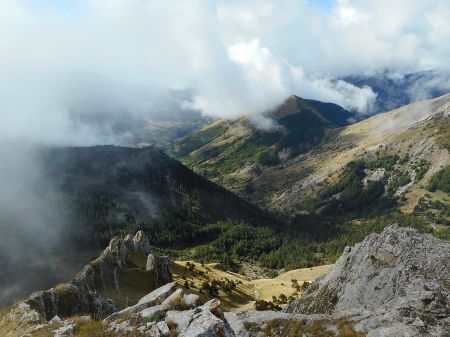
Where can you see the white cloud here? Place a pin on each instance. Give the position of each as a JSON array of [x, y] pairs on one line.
[[237, 58]]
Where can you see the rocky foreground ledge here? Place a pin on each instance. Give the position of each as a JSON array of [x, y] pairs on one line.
[[393, 283], [396, 283]]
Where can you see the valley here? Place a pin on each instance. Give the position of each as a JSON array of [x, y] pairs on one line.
[[247, 290], [398, 151]]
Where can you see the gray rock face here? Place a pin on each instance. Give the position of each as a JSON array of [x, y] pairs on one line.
[[160, 265], [183, 316], [207, 320], [396, 276], [82, 294], [141, 243], [150, 300]]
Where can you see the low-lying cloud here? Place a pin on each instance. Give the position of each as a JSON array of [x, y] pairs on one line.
[[234, 58]]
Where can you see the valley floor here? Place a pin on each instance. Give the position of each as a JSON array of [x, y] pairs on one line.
[[247, 290]]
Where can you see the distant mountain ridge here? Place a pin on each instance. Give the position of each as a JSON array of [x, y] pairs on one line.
[[394, 90]]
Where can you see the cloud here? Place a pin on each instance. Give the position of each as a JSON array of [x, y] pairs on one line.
[[236, 58]]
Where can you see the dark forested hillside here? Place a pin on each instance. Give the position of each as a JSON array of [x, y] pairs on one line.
[[112, 190], [91, 194]]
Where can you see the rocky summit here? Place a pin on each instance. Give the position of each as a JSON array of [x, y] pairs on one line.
[[395, 283]]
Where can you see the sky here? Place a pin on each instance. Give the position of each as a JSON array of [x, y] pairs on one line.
[[234, 58]]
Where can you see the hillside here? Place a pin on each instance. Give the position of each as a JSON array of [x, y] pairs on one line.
[[400, 151], [129, 186], [247, 289], [230, 151], [102, 191], [394, 155]]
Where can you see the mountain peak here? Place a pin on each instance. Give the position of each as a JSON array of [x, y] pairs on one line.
[[398, 275]]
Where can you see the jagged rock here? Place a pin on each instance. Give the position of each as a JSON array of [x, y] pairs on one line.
[[176, 295], [66, 330], [82, 294], [191, 300], [148, 312], [128, 241], [236, 324], [207, 320], [152, 330], [141, 243], [398, 273], [156, 297], [160, 266]]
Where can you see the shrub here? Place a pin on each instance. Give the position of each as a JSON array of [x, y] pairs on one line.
[[440, 181]]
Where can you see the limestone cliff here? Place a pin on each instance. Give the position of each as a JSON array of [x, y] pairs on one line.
[[398, 280]]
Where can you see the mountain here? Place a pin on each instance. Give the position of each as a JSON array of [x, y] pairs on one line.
[[399, 276], [394, 90], [229, 151], [129, 186], [394, 153], [96, 193], [401, 150]]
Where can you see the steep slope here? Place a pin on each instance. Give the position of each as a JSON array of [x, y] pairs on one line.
[[103, 191], [129, 184], [398, 151], [231, 152], [415, 132], [399, 276]]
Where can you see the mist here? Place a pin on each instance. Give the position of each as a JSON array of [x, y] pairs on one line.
[[36, 246]]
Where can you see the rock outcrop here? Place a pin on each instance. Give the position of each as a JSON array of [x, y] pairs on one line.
[[84, 294], [170, 311], [160, 266], [396, 282]]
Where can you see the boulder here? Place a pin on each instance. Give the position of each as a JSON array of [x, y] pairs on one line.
[[191, 300], [160, 266], [207, 320], [163, 328], [152, 299]]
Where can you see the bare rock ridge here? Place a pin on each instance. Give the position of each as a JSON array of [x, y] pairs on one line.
[[170, 311], [83, 295], [398, 280]]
